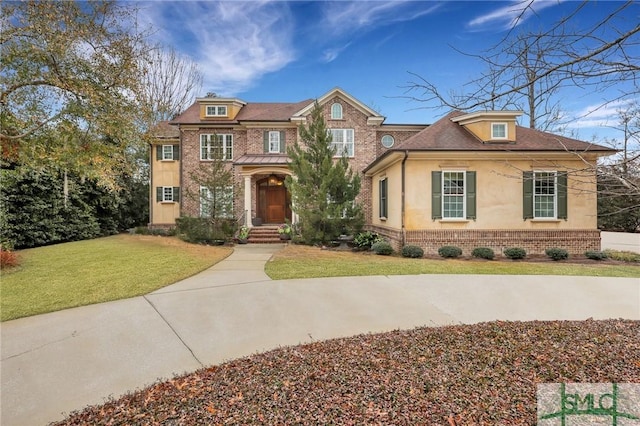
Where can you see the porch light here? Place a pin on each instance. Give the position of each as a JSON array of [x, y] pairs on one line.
[[274, 181]]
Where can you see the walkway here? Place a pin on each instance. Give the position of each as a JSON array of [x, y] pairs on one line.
[[59, 362]]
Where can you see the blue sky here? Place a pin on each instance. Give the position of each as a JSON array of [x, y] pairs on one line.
[[281, 51]]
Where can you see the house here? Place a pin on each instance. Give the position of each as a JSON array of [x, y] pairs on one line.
[[468, 180]]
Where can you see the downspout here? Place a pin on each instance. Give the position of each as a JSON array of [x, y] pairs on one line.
[[151, 189], [402, 197]]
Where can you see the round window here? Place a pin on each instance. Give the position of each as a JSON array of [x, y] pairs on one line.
[[387, 141]]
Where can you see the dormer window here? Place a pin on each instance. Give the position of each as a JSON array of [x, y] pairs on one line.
[[216, 111], [336, 111], [499, 131]]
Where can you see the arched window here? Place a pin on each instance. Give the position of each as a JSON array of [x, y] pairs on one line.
[[336, 111]]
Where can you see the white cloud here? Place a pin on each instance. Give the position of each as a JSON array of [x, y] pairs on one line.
[[507, 17], [344, 19], [599, 115], [235, 43]]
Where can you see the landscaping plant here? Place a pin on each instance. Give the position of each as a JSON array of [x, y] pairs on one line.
[[382, 248], [595, 254], [557, 253], [483, 253], [450, 251], [414, 252], [515, 253]]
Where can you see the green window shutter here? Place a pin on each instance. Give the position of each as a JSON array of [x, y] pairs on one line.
[[176, 152], [383, 197], [176, 194], [562, 195], [158, 152], [265, 136], [527, 195], [436, 195], [158, 194], [471, 195], [282, 148]]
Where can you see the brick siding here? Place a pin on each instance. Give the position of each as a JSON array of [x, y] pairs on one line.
[[533, 241]]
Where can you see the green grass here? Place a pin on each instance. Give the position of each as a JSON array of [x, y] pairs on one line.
[[305, 262], [81, 273]]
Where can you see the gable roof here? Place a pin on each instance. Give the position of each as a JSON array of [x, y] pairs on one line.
[[336, 91], [446, 135]]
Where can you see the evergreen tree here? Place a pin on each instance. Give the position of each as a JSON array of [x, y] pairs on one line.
[[324, 188]]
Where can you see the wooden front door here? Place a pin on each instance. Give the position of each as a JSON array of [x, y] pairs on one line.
[[273, 202]]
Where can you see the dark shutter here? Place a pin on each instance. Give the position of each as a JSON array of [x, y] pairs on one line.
[[527, 195], [265, 136], [159, 194], [383, 198], [176, 152], [282, 148], [176, 194], [471, 195], [436, 195], [562, 195], [158, 152]]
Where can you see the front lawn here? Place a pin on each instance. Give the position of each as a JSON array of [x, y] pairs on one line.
[[84, 272], [297, 261]]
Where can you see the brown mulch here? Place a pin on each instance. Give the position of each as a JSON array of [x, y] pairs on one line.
[[482, 374]]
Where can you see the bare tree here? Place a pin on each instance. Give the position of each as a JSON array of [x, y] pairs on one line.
[[526, 70], [170, 83]]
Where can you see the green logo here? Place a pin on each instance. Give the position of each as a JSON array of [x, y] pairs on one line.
[[577, 404]]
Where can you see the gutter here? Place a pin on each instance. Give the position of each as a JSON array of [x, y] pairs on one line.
[[402, 197]]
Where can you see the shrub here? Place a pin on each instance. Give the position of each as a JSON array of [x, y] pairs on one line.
[[623, 256], [200, 230], [414, 252], [382, 248], [450, 251], [365, 240], [515, 252], [483, 253], [8, 259], [595, 254], [557, 253]]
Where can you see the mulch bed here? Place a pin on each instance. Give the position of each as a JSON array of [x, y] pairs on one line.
[[482, 374]]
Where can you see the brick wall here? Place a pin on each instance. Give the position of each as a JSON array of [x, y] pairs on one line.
[[533, 241]]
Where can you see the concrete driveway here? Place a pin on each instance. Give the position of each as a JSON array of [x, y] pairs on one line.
[[56, 363]]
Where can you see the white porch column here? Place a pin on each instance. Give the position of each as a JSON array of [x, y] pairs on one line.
[[247, 201]]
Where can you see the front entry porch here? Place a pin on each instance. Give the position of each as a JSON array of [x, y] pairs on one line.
[[273, 202]]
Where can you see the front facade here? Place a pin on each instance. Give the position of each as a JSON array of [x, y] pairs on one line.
[[468, 180]]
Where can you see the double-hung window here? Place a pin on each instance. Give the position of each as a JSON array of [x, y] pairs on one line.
[[274, 142], [383, 198], [453, 194], [168, 152], [342, 142], [216, 202], [545, 195], [214, 147]]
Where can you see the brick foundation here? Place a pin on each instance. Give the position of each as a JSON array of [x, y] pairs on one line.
[[575, 241]]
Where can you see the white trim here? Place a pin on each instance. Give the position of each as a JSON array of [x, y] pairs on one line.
[[227, 146], [506, 130], [217, 110], [336, 111], [463, 196], [393, 141], [163, 153], [348, 139], [277, 149], [555, 196], [373, 117]]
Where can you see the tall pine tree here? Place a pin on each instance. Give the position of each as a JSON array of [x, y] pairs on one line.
[[323, 188]]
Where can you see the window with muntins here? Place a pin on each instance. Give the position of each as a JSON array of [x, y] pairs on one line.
[[498, 130], [342, 142], [167, 152], [544, 195], [453, 195], [383, 198], [216, 111], [168, 194], [214, 147], [216, 202], [336, 111], [274, 142]]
